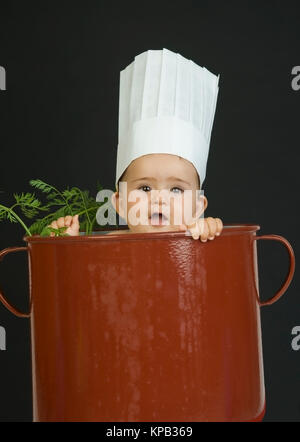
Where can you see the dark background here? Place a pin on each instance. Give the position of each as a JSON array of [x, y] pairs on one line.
[[59, 123]]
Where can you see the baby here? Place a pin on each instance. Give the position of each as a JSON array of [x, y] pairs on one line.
[[166, 111], [156, 172]]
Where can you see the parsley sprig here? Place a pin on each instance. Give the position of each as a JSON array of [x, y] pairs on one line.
[[70, 201]]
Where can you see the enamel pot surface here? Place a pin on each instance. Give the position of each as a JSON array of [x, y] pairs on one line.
[[154, 327]]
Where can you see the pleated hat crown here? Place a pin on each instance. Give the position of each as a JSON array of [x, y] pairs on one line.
[[166, 105]]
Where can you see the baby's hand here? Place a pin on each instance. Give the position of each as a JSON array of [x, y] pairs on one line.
[[205, 228], [70, 221]]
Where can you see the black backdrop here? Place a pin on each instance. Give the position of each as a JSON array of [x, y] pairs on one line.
[[59, 123]]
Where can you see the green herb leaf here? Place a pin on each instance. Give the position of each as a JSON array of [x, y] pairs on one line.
[[41, 185], [70, 201], [58, 232]]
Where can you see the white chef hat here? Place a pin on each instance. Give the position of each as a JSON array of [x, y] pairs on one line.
[[166, 105]]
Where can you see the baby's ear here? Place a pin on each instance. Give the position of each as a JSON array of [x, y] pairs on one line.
[[201, 205], [114, 200]]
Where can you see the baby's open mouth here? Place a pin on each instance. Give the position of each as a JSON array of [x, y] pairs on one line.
[[158, 219]]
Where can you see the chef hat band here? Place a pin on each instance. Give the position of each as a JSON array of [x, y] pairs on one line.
[[166, 105]]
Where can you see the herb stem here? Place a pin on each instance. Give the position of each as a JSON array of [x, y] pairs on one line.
[[83, 200], [36, 207], [66, 201], [17, 218], [84, 211]]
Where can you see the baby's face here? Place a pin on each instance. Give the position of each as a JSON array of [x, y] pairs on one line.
[[158, 182]]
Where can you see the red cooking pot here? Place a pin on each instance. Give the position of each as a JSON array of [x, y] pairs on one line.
[[147, 326]]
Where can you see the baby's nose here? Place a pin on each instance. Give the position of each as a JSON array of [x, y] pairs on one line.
[[158, 196], [158, 205]]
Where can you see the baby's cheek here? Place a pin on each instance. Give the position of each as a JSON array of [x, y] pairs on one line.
[[137, 214], [188, 208], [176, 211]]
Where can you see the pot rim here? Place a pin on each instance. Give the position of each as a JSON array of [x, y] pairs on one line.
[[228, 229]]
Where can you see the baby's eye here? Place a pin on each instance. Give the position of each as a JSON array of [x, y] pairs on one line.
[[180, 190], [148, 187], [142, 187]]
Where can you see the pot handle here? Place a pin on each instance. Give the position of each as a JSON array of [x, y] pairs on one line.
[[2, 298], [291, 271]]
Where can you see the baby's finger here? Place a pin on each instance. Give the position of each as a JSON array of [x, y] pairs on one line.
[[54, 225], [61, 221], [195, 230], [204, 230], [75, 219], [212, 225], [219, 226], [73, 230], [68, 220]]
